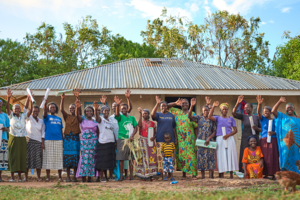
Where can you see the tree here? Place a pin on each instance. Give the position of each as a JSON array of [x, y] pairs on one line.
[[121, 49]]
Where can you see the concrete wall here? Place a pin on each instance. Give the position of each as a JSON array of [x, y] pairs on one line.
[[148, 101]]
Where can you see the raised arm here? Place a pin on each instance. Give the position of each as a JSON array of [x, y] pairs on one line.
[[193, 103], [77, 111], [276, 106], [140, 123], [239, 100], [30, 108], [76, 94], [127, 94], [45, 109], [118, 102], [176, 103], [208, 100], [27, 101], [259, 101], [211, 112], [153, 113], [62, 106], [96, 107], [9, 94]]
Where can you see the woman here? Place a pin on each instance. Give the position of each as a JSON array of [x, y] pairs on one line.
[[288, 134], [147, 165], [226, 156], [17, 145], [206, 131], [247, 129], [88, 142], [253, 159], [269, 150], [106, 155], [165, 124], [186, 157], [4, 121], [35, 128], [53, 142], [71, 139]]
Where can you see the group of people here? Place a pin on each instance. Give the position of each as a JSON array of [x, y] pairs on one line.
[[95, 142]]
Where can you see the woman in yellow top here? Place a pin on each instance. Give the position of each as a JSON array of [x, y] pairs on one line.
[[253, 160]]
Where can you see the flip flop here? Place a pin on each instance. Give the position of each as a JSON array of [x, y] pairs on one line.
[[165, 179], [172, 179]]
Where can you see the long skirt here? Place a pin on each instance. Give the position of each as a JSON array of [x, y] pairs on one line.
[[227, 157], [205, 158], [271, 156], [147, 165], [17, 148], [34, 154], [254, 170], [4, 155], [106, 156], [53, 154], [71, 150]]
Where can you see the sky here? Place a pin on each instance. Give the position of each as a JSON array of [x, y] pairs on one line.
[[129, 17]]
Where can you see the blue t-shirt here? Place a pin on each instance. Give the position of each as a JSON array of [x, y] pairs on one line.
[[53, 125], [165, 124], [264, 127], [4, 120]]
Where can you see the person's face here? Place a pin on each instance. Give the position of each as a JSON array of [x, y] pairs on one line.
[[252, 142], [114, 107], [248, 109], [52, 109], [98, 112], [185, 105], [167, 138], [163, 107], [1, 104], [72, 109], [290, 109], [267, 113], [105, 113], [35, 112], [17, 110], [145, 115], [224, 110], [89, 113], [124, 110], [205, 111]]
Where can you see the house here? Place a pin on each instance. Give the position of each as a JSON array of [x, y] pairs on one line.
[[168, 78]]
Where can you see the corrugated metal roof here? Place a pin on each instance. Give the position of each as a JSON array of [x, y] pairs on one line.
[[140, 73]]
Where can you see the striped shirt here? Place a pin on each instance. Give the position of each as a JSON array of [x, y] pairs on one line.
[[168, 149]]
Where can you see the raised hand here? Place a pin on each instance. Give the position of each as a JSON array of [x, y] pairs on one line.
[[282, 100], [240, 99], [140, 110], [77, 103], [259, 99], [208, 100], [193, 101], [63, 96], [127, 93], [76, 93], [179, 102], [158, 99], [117, 100], [216, 104], [96, 105], [9, 93], [103, 99]]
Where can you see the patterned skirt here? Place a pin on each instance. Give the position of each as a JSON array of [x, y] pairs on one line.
[[53, 154], [34, 155], [4, 155], [206, 158], [147, 165], [71, 150], [17, 151]]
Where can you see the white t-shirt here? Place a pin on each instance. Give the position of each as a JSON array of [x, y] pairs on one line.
[[35, 129], [106, 130]]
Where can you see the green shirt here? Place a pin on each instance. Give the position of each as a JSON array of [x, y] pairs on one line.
[[125, 123]]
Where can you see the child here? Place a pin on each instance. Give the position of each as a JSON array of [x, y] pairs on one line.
[[253, 161], [168, 153]]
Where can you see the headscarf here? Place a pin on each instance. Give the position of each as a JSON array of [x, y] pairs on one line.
[[103, 107], [251, 136], [224, 104], [146, 110], [268, 108], [291, 105]]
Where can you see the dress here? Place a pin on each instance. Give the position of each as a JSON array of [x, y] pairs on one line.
[[186, 154], [246, 132], [4, 120], [147, 165], [205, 156], [288, 138], [252, 158], [88, 142]]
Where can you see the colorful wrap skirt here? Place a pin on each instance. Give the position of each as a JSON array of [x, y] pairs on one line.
[[71, 150]]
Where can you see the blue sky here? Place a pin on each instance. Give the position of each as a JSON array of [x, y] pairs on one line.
[[129, 17]]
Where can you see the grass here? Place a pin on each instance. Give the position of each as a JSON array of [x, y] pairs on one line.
[[84, 192]]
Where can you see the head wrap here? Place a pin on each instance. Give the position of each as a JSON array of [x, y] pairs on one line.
[[146, 110], [251, 136], [268, 108], [291, 105], [103, 107], [224, 104]]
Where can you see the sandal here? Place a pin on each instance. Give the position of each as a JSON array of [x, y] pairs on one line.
[[47, 180], [194, 178], [20, 180], [183, 178], [152, 179], [12, 180], [68, 179], [172, 179], [127, 178], [60, 180], [39, 180], [166, 178], [103, 180], [111, 179]]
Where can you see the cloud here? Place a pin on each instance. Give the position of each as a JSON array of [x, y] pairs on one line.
[[271, 21], [286, 9], [114, 13], [263, 23], [207, 8], [151, 10], [194, 7], [237, 6]]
